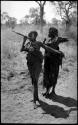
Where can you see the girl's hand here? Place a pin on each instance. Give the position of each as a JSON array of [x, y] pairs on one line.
[[31, 49], [24, 39]]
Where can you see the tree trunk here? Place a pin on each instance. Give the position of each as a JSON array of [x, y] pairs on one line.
[[68, 24], [68, 21], [41, 18]]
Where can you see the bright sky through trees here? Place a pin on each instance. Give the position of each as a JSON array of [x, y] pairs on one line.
[[19, 9]]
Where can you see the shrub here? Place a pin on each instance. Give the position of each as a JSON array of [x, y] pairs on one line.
[[72, 33]]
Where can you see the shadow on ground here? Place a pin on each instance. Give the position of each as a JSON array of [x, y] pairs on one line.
[[55, 110], [70, 102]]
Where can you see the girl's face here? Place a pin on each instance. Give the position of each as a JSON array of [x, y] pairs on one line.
[[33, 38], [52, 36]]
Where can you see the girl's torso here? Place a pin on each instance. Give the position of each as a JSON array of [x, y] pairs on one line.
[[35, 54]]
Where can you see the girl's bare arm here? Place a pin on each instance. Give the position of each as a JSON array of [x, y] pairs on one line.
[[23, 47]]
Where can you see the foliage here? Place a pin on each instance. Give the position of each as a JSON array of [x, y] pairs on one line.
[[4, 17], [25, 20], [11, 22], [72, 33], [34, 14], [65, 9], [54, 21], [32, 18], [41, 5]]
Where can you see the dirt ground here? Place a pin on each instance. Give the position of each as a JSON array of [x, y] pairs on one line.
[[16, 92]]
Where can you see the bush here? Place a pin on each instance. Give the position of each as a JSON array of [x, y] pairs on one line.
[[72, 33]]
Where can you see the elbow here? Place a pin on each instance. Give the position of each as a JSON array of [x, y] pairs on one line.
[[21, 50]]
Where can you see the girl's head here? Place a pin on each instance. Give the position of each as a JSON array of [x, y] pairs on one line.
[[53, 32], [33, 35]]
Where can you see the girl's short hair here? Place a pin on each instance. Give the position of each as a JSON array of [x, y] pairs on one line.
[[33, 33], [53, 31]]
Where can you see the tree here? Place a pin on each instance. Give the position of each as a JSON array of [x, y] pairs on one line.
[[4, 17], [11, 22], [26, 19], [65, 9], [21, 22], [74, 18], [55, 21], [41, 5], [34, 14]]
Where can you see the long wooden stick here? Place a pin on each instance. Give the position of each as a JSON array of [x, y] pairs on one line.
[[52, 50], [21, 34], [46, 47], [18, 33]]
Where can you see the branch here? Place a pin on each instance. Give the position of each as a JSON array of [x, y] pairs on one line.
[[60, 10], [63, 18], [61, 4], [38, 3], [69, 6], [66, 10], [70, 14], [44, 3]]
